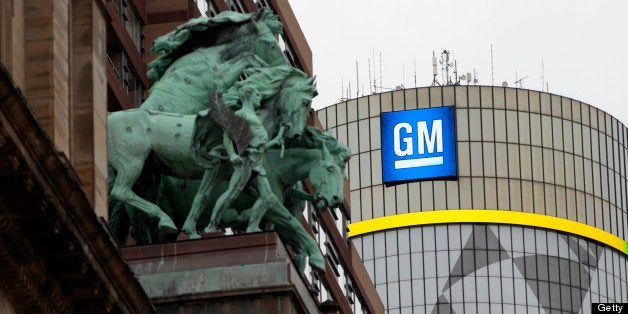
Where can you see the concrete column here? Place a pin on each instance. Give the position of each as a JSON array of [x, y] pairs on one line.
[[47, 66], [12, 39], [88, 109]]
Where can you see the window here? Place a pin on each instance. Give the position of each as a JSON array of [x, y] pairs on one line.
[[475, 123]]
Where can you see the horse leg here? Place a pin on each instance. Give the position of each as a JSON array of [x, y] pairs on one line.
[[289, 227], [299, 260], [200, 203], [122, 191], [239, 179], [267, 199]]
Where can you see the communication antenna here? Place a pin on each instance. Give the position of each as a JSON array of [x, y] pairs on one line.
[[456, 80], [443, 66], [374, 73], [381, 81], [492, 76], [446, 65], [357, 80], [403, 75], [370, 87], [415, 73], [542, 74], [349, 91], [520, 80], [475, 77], [342, 89], [434, 69]]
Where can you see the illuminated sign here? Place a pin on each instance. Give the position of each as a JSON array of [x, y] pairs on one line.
[[418, 144]]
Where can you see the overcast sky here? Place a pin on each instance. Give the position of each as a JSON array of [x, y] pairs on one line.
[[582, 44]]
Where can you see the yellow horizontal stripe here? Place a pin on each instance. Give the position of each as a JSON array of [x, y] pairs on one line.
[[487, 216]]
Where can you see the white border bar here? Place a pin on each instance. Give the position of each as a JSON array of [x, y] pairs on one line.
[[419, 162]]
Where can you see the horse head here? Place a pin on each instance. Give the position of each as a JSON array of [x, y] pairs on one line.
[[327, 178], [328, 174], [295, 102]]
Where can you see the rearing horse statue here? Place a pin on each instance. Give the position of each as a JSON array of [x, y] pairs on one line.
[[207, 56]]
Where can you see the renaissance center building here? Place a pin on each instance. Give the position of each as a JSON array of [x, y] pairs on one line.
[[478, 199]]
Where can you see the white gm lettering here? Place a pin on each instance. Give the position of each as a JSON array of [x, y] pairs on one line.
[[407, 140], [432, 139], [425, 138]]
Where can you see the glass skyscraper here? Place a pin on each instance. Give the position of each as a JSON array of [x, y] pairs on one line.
[[536, 219]]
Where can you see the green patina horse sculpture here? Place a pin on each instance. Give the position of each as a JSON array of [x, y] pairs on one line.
[[202, 59], [280, 86], [140, 136]]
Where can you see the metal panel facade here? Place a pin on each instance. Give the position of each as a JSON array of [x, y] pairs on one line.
[[520, 153]]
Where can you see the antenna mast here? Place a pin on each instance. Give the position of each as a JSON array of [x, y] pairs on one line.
[[456, 80], [492, 76], [403, 75], [374, 73], [370, 79], [415, 73], [342, 89], [542, 74], [381, 82], [444, 61], [357, 80], [520, 80], [434, 69]]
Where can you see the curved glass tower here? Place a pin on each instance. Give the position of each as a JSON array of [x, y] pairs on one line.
[[535, 218]]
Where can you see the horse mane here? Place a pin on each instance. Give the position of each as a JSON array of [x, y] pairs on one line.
[[199, 32], [312, 137], [267, 80], [273, 83]]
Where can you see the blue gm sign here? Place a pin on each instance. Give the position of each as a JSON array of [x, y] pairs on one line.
[[418, 144]]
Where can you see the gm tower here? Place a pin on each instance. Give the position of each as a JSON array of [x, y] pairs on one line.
[[481, 199]]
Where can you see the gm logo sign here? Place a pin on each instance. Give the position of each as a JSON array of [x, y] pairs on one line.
[[418, 144]]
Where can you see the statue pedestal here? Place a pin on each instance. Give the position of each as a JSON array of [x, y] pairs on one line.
[[250, 273]]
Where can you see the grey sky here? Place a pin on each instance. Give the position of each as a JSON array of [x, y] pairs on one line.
[[583, 44]]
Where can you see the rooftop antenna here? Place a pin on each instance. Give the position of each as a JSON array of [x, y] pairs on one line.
[[492, 76], [444, 61], [542, 74], [374, 73], [415, 73], [434, 69], [456, 80], [357, 80], [475, 77], [403, 75], [342, 89], [520, 80], [381, 81], [349, 91], [370, 79]]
